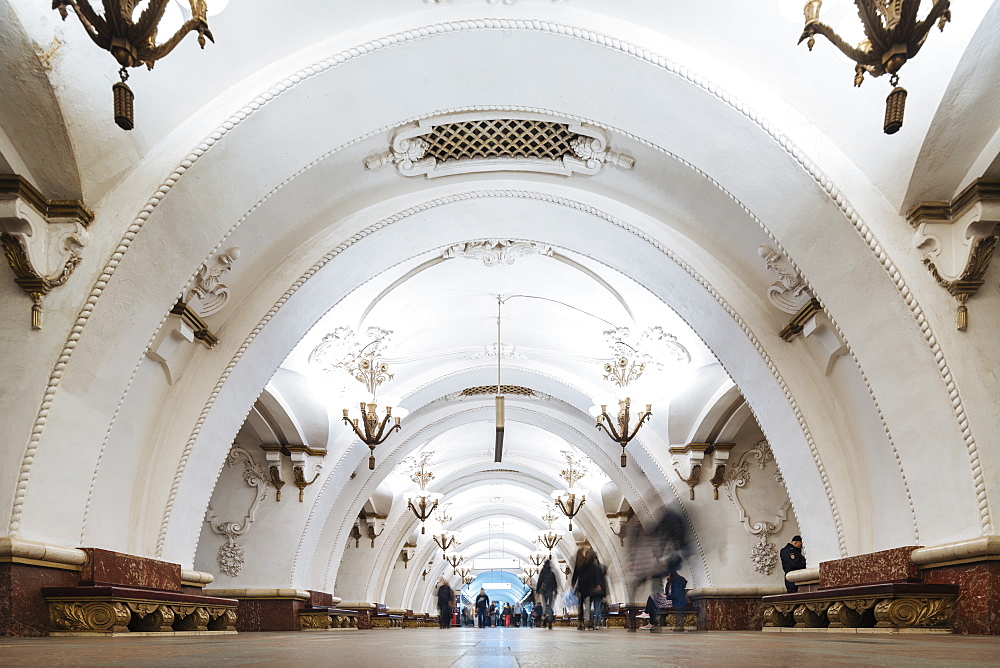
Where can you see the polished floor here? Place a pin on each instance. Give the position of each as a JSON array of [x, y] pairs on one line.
[[410, 648]]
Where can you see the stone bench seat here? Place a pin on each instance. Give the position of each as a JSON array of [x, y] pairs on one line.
[[109, 610], [325, 618], [889, 606]]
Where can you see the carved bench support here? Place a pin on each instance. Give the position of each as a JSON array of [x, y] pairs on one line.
[[111, 610], [891, 606]]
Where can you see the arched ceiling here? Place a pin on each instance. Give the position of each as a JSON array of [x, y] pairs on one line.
[[732, 138]]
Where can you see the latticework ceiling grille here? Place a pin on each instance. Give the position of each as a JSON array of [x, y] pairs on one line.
[[504, 389], [500, 138]]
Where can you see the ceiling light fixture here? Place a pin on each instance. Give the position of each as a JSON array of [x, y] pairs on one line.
[[549, 538], [371, 371], [422, 502], [893, 34], [454, 559], [133, 41], [570, 500], [622, 371]]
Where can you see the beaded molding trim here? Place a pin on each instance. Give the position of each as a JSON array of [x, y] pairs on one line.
[[494, 24]]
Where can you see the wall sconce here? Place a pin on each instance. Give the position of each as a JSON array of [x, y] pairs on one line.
[[299, 455], [274, 469], [299, 475], [408, 552], [695, 454], [373, 522], [617, 522], [355, 534]]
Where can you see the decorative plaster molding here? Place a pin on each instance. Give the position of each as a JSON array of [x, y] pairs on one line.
[[497, 252], [957, 239], [493, 141], [231, 556], [207, 294], [489, 351], [41, 239], [764, 554], [790, 293], [343, 350], [622, 46]]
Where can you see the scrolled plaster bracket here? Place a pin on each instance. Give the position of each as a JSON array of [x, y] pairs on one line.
[[41, 239], [957, 240]]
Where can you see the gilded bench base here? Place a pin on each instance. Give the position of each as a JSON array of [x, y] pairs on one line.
[[927, 614], [112, 617]]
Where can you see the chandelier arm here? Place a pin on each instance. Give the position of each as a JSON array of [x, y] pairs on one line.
[[197, 25], [857, 55], [608, 427], [93, 24], [920, 31], [355, 427], [874, 26], [141, 32], [642, 419], [381, 438]]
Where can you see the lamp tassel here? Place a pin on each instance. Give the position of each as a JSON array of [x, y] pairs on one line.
[[894, 106]]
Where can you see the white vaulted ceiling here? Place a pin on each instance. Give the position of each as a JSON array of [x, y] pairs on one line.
[[740, 139]]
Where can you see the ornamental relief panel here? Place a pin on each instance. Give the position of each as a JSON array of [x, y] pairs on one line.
[[231, 556], [763, 513]]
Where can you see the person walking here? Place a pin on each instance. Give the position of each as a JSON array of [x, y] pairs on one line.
[[446, 597], [547, 586], [482, 609], [792, 560]]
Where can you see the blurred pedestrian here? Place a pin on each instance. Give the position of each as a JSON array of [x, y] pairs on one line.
[[446, 597], [547, 587]]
